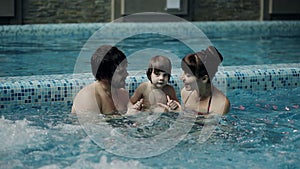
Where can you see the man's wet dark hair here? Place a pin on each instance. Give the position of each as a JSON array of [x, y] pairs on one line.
[[105, 61]]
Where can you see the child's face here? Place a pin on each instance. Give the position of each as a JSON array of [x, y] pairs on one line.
[[159, 78], [189, 81]]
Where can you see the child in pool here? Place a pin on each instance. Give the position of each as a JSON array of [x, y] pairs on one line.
[[156, 95]]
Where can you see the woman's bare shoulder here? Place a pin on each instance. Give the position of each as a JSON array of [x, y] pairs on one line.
[[221, 102]]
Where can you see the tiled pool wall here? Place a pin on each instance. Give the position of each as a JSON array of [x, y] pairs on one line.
[[48, 89], [220, 28]]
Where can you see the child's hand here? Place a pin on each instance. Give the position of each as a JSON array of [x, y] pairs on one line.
[[133, 109], [138, 105], [171, 105]]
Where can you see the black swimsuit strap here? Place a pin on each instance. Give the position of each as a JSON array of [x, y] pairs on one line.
[[209, 102]]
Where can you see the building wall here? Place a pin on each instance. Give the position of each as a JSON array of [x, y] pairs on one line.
[[66, 11], [214, 10], [81, 11]]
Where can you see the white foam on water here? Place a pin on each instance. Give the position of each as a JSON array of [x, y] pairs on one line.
[[106, 164], [16, 135]]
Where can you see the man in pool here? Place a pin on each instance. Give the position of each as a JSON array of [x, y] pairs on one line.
[[107, 94]]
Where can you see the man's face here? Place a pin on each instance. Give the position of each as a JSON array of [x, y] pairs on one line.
[[119, 77]]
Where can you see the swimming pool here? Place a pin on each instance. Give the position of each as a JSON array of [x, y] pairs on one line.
[[37, 129], [24, 48], [265, 134]]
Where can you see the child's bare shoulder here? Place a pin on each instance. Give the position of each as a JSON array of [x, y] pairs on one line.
[[168, 87], [143, 86]]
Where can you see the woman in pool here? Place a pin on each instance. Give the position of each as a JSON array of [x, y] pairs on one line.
[[149, 95], [198, 93]]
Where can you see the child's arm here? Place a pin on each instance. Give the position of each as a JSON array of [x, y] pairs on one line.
[[138, 94], [173, 101], [172, 94], [135, 104]]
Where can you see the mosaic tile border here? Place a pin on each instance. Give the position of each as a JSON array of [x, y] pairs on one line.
[[40, 90], [216, 28]]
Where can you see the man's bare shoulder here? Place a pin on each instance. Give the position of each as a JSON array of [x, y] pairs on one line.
[[85, 100], [86, 89]]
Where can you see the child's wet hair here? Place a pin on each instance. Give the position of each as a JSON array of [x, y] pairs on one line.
[[159, 64]]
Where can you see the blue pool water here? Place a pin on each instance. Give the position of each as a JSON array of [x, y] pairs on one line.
[[53, 49], [261, 130], [263, 134]]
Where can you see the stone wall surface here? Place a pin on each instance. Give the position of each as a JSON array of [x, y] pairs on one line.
[[83, 11], [66, 11], [216, 10]]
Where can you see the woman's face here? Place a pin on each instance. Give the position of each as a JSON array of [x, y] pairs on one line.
[[189, 81]]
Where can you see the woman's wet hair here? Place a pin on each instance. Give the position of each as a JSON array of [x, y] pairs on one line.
[[159, 64], [105, 61], [202, 63]]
